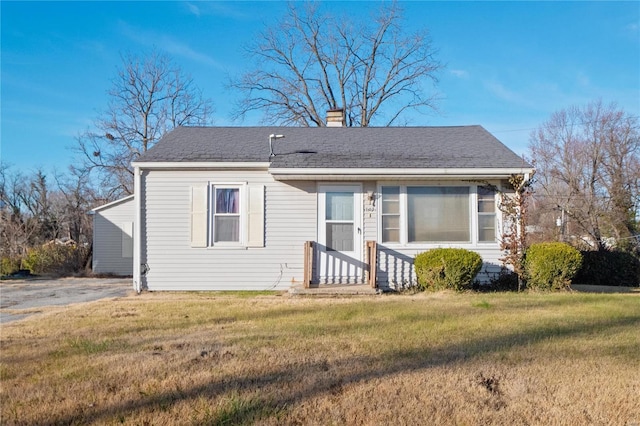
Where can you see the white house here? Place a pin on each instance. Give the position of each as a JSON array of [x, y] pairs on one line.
[[113, 237], [253, 208]]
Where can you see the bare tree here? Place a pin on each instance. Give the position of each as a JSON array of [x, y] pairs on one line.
[[27, 215], [309, 63], [588, 163], [14, 231], [149, 96], [34, 212], [75, 198]]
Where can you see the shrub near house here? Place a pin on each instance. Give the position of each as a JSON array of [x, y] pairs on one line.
[[447, 268], [614, 268], [551, 266]]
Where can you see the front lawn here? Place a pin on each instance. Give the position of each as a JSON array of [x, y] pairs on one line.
[[443, 358]]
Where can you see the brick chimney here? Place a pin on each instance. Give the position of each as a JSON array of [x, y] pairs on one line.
[[335, 118]]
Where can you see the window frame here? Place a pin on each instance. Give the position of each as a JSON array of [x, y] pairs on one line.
[[469, 229], [382, 214], [403, 208], [494, 213], [242, 214]]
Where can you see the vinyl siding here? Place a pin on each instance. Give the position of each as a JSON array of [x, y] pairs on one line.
[[369, 215], [290, 219], [113, 237]]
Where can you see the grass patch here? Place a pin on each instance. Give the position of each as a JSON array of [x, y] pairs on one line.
[[437, 358], [235, 410], [482, 304], [86, 346]]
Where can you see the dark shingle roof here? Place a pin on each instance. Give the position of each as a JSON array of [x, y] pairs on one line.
[[343, 147]]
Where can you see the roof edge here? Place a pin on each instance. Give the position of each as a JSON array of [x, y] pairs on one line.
[[201, 165], [388, 172], [111, 204]]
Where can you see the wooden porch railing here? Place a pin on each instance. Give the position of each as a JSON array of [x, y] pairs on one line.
[[372, 263], [371, 259], [308, 263]]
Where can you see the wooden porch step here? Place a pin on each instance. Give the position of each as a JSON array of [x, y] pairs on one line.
[[334, 290]]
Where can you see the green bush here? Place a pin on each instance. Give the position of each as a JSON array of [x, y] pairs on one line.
[[58, 259], [10, 265], [551, 266], [614, 268], [447, 268]]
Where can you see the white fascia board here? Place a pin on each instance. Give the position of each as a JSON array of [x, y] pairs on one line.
[[201, 165], [111, 204], [311, 174]]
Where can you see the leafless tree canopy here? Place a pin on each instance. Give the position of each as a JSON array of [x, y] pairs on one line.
[[309, 63], [149, 96], [588, 164], [34, 211]]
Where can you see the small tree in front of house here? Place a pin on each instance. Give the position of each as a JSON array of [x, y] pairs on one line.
[[513, 206]]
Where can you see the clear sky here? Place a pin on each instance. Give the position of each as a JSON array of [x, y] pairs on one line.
[[509, 64]]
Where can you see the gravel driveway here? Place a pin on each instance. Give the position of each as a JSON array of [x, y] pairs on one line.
[[28, 295]]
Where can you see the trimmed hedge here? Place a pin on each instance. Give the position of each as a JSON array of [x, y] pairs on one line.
[[551, 266], [614, 268], [447, 268]]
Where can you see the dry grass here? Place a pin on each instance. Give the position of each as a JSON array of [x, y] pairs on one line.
[[203, 358]]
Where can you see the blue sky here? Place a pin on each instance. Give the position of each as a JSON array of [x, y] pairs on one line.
[[509, 64]]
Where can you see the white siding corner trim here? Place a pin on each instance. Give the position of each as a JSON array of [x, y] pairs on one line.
[[199, 216]]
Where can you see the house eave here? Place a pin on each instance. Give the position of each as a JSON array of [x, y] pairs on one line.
[[347, 174], [111, 204], [404, 174]]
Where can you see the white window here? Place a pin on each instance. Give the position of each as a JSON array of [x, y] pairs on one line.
[[438, 214], [430, 214], [486, 215], [227, 215], [390, 214]]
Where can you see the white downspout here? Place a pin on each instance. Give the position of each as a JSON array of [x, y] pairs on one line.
[[137, 232]]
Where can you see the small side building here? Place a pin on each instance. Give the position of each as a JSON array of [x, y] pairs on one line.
[[113, 237]]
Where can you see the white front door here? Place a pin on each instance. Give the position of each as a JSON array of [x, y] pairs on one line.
[[340, 234]]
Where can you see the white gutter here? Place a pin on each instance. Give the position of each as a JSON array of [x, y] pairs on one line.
[[137, 232], [351, 173], [312, 173]]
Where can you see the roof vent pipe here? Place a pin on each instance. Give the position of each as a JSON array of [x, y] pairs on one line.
[[273, 137], [335, 118]]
